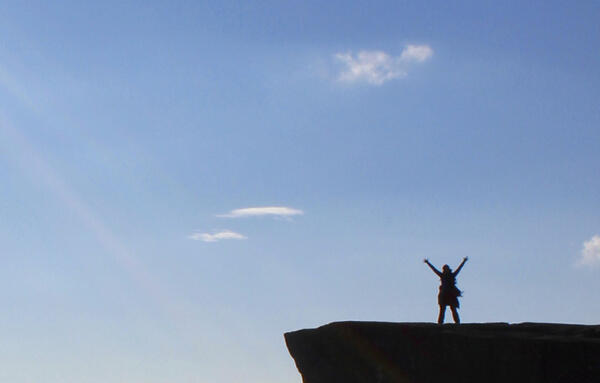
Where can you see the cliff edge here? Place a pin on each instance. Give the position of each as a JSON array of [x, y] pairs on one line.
[[377, 352]]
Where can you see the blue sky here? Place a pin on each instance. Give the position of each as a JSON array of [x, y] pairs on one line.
[[364, 137]]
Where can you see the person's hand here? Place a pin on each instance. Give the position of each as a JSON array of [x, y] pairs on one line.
[[426, 260], [465, 259]]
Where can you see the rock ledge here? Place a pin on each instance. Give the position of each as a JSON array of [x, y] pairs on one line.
[[378, 352]]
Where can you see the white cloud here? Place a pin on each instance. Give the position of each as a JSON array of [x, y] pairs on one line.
[[590, 254], [276, 211], [377, 67], [418, 53], [374, 67], [226, 234]]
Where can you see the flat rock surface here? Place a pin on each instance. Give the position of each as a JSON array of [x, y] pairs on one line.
[[379, 352]]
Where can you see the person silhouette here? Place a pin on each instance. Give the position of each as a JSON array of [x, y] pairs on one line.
[[449, 293]]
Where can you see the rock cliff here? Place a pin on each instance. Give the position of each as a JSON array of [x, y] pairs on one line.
[[375, 352]]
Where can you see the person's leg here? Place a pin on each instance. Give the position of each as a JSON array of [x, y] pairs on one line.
[[442, 314], [455, 314]]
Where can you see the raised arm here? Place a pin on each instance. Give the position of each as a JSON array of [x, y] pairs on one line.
[[432, 268], [465, 259]]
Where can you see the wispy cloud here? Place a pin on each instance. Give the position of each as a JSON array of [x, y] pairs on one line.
[[275, 211], [225, 234], [377, 67], [416, 53], [590, 254]]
